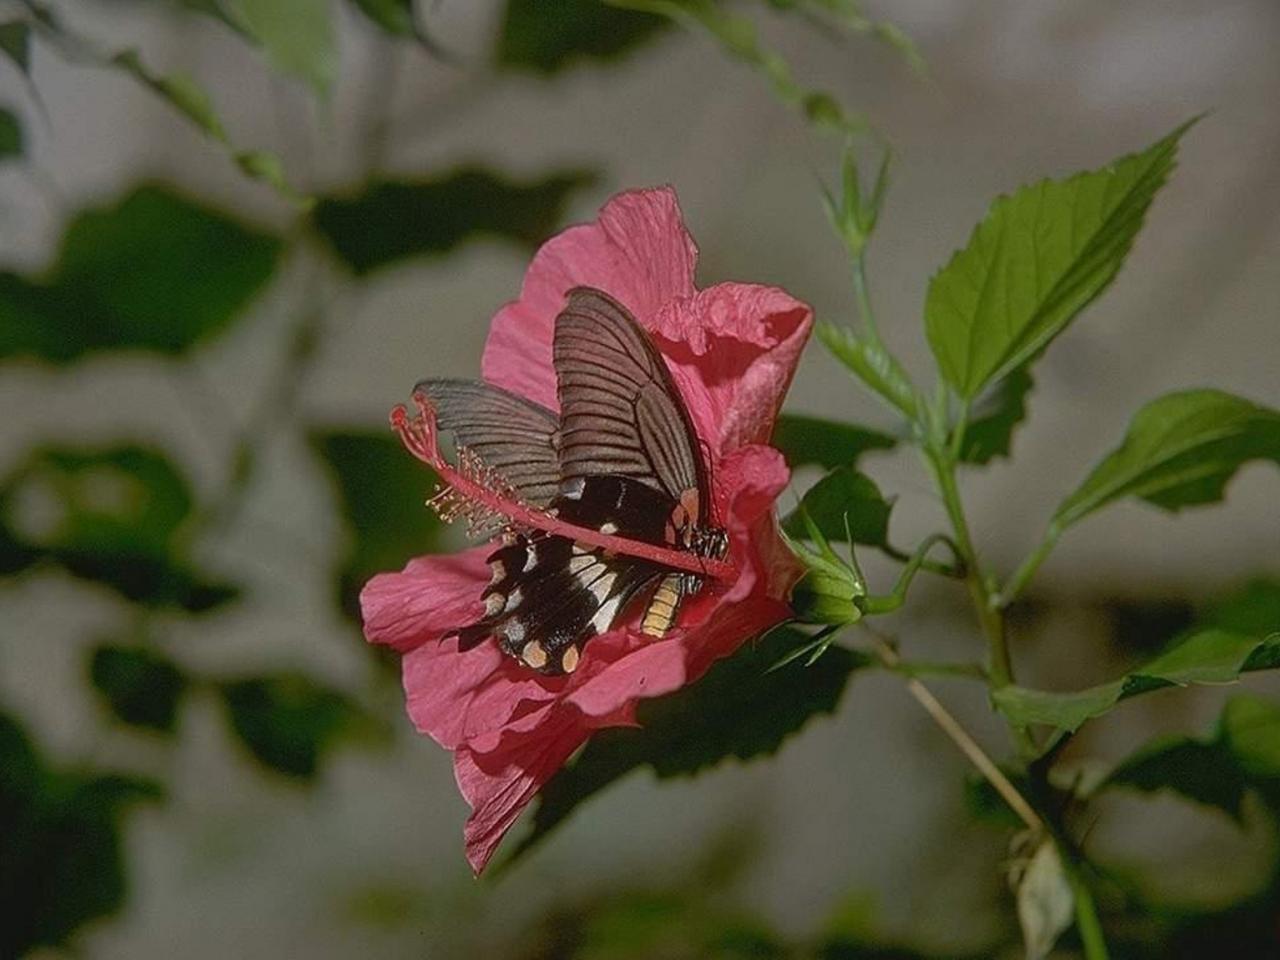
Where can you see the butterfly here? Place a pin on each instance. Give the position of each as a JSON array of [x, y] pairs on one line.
[[621, 458]]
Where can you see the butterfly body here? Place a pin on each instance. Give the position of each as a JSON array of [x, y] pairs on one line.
[[621, 458]]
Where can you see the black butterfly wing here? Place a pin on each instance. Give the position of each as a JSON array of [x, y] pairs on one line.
[[548, 595], [512, 436], [620, 412]]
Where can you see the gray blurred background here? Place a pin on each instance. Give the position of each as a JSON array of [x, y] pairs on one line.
[[864, 807]]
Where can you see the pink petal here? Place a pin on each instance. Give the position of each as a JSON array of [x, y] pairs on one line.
[[733, 349], [638, 251], [499, 785], [424, 601], [457, 697]]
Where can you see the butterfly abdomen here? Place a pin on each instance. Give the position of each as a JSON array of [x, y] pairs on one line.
[[661, 612]]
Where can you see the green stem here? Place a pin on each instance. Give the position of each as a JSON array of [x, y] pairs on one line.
[[895, 599], [988, 617], [1023, 575], [863, 294], [1087, 923]]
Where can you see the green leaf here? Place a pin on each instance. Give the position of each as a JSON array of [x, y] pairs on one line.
[[61, 862], [11, 140], [382, 490], [296, 35], [153, 272], [738, 37], [1036, 260], [139, 686], [1206, 656], [740, 709], [1180, 450], [1254, 609], [805, 440], [847, 506], [873, 365], [1202, 772], [1046, 903], [113, 515], [389, 221], [15, 43], [996, 414], [546, 38], [288, 721], [1240, 754], [1250, 728]]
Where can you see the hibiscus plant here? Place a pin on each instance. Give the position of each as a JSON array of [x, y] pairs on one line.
[[1038, 259]]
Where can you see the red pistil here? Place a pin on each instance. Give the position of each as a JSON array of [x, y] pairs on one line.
[[419, 436]]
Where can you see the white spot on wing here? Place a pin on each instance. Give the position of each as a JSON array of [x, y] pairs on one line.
[[602, 585], [513, 600], [604, 616], [530, 557], [581, 561], [608, 527]]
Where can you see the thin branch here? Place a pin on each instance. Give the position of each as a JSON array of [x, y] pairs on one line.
[[961, 738]]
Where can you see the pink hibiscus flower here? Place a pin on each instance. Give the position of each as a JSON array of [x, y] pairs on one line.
[[731, 350]]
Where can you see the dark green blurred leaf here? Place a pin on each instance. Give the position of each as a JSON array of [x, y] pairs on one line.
[[547, 37], [296, 35], [15, 43], [1142, 627], [140, 686], [111, 515], [844, 504], [984, 803], [383, 492], [388, 221], [11, 141], [61, 863], [1255, 609], [804, 440], [1038, 258], [674, 926], [996, 414], [154, 272], [1200, 771], [288, 721], [739, 709], [1242, 753], [872, 364], [1250, 728], [1206, 656], [1180, 450], [844, 949]]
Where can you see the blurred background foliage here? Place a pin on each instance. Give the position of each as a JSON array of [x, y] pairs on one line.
[[133, 531]]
